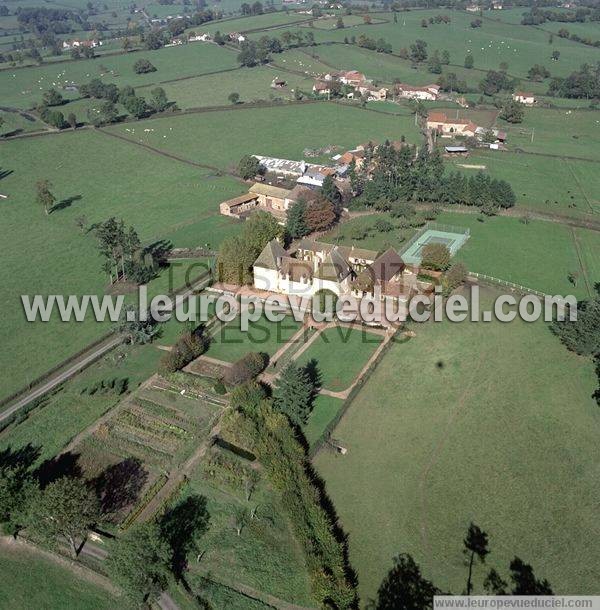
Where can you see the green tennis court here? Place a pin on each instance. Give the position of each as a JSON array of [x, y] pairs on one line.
[[434, 234]]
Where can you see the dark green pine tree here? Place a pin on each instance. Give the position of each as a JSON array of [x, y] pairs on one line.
[[294, 394], [296, 224], [330, 191]]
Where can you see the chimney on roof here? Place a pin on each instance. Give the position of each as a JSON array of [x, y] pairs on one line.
[[279, 261]]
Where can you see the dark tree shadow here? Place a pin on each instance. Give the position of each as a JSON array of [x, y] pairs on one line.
[[159, 250], [404, 588], [22, 458], [182, 525], [311, 368], [120, 485], [5, 172], [65, 203], [64, 465]]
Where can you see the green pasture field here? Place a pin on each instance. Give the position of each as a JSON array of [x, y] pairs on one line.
[[549, 184], [23, 88], [589, 250], [301, 61], [325, 408], [230, 343], [350, 21], [255, 22], [161, 198], [572, 133], [14, 123], [493, 43], [382, 67], [33, 581], [438, 438], [589, 29], [250, 83], [283, 131], [538, 255], [340, 354]]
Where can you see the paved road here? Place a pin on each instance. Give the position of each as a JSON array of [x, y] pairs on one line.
[[61, 376]]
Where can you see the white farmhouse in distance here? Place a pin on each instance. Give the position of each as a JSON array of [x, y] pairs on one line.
[[524, 98]]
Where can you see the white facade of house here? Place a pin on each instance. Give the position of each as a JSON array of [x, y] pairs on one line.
[[524, 98]]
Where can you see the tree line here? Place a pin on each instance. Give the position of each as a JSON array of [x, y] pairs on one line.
[[401, 174]]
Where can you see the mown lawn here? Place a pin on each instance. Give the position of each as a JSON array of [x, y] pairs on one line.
[[492, 423], [161, 198], [283, 131], [325, 408], [340, 354], [230, 342], [31, 581]]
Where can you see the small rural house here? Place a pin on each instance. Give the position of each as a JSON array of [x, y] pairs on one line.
[[446, 127], [266, 197], [430, 92], [322, 88], [524, 98], [373, 93]]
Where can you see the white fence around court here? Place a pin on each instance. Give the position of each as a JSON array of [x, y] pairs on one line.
[[516, 287]]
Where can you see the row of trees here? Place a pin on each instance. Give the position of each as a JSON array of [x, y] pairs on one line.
[[582, 336], [583, 83], [258, 425], [124, 256], [401, 175]]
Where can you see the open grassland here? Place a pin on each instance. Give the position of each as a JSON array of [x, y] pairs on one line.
[[279, 132], [572, 133], [382, 67], [300, 60], [547, 184], [589, 29], [161, 198], [264, 555], [255, 22], [340, 354], [350, 21], [250, 83], [491, 423], [14, 123], [32, 581], [539, 255], [23, 88], [230, 343], [493, 43]]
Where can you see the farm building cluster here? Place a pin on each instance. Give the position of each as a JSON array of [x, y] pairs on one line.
[[304, 181], [440, 124], [352, 83]]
